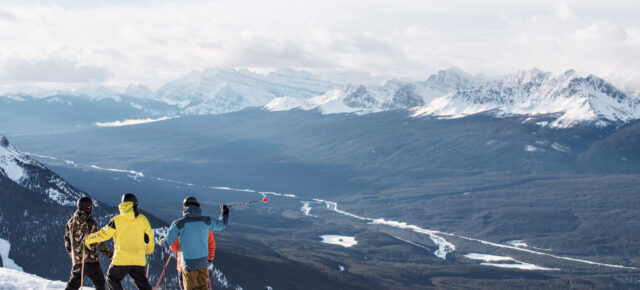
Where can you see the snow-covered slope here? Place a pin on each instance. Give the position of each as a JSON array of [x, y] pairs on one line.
[[573, 98], [35, 206], [391, 95], [5, 261], [215, 91], [576, 98], [12, 279], [29, 173]]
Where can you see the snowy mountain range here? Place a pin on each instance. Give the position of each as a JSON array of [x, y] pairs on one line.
[[215, 91], [575, 98], [571, 98]]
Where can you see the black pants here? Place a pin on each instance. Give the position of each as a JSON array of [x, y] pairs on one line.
[[115, 274], [92, 270]]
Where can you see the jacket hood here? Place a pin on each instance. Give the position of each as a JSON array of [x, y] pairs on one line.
[[192, 211], [128, 210], [82, 215]]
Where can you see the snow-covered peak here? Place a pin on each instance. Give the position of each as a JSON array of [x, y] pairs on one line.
[[524, 77], [452, 77], [12, 162], [139, 91], [227, 90], [14, 97], [575, 97], [31, 174]]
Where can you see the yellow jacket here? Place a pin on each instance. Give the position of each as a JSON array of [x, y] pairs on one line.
[[132, 237]]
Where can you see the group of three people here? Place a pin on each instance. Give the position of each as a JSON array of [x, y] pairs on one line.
[[190, 236]]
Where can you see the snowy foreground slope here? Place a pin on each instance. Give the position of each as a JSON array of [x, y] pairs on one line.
[[36, 204], [31, 174], [13, 279]]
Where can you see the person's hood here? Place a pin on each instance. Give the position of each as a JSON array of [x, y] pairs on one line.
[[192, 211], [128, 210], [82, 215]]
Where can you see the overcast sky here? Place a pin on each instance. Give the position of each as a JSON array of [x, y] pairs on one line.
[[114, 43]]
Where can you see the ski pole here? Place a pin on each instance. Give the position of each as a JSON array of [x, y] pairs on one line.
[[163, 270], [209, 278], [148, 265], [165, 276], [264, 199], [82, 267]]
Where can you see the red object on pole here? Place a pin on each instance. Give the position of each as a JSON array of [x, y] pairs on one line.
[[265, 200]]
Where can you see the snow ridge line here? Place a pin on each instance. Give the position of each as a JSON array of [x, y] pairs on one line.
[[413, 243], [433, 234]]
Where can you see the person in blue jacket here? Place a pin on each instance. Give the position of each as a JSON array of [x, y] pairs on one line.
[[192, 232]]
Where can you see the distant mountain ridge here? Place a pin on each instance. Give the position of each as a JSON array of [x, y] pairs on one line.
[[577, 98], [573, 98]]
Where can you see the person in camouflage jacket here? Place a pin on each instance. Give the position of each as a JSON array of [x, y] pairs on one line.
[[79, 226]]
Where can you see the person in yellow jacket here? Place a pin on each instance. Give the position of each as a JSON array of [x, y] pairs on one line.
[[132, 240]]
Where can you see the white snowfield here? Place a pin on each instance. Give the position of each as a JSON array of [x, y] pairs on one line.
[[5, 247], [344, 241], [16, 280], [131, 122], [306, 209], [505, 262]]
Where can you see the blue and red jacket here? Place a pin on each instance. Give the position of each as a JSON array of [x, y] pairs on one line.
[[192, 232]]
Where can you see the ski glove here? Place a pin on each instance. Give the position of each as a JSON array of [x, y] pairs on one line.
[[224, 209]]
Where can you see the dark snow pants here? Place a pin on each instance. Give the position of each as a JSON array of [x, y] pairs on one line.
[[92, 270], [115, 274]]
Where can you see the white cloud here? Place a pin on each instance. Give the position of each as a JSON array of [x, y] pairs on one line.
[[150, 43], [52, 70]]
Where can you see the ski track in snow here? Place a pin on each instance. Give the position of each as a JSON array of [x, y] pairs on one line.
[[410, 242], [444, 247]]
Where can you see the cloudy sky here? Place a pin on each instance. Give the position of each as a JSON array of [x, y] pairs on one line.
[[61, 44]]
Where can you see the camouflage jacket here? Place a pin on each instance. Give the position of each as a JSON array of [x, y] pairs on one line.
[[79, 226]]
